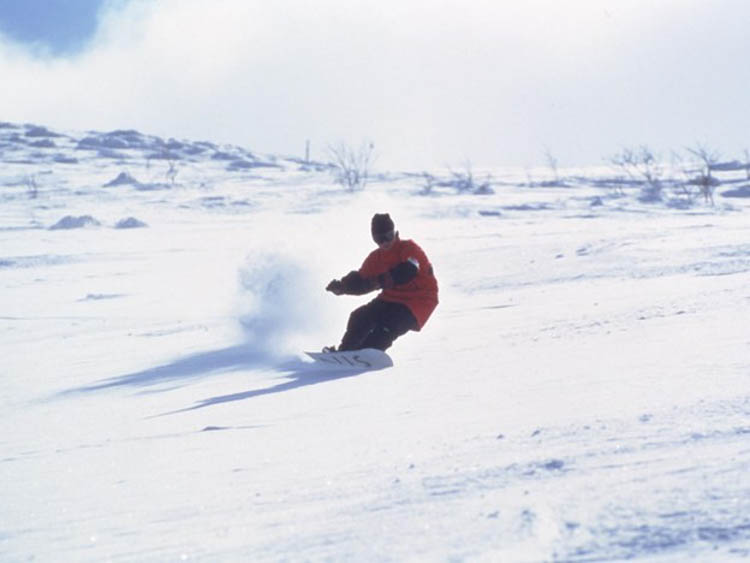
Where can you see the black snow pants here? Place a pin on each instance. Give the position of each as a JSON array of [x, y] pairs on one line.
[[377, 325]]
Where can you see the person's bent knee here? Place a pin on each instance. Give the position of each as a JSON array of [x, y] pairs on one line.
[[358, 315]]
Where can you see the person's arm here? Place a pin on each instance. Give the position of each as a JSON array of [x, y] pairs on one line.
[[413, 261], [353, 284], [402, 273]]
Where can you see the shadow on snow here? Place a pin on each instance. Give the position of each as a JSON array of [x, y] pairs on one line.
[[190, 367], [296, 373], [301, 374]]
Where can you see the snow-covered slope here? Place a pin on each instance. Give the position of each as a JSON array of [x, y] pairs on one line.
[[580, 394]]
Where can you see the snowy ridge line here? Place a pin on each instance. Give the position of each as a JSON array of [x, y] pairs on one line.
[[74, 148]]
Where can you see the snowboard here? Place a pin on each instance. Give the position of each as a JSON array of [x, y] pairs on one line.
[[365, 359]]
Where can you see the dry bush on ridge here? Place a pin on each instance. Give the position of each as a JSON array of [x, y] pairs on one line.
[[352, 166], [463, 181], [642, 165], [704, 180]]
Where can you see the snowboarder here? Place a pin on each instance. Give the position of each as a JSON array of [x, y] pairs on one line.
[[409, 293]]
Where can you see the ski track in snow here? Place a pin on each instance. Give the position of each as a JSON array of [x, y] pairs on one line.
[[581, 393]]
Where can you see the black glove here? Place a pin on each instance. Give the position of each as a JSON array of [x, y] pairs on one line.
[[336, 287], [404, 272]]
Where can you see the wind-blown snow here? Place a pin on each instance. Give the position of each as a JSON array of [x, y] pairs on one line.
[[580, 394], [276, 301]]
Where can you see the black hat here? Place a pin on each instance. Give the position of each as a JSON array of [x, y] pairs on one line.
[[381, 224]]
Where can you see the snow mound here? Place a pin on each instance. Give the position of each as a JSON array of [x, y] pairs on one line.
[[70, 222], [123, 179], [63, 159], [741, 191], [43, 144], [118, 140], [130, 223], [37, 131], [242, 164]]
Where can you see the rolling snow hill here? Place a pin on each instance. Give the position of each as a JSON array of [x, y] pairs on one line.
[[582, 393]]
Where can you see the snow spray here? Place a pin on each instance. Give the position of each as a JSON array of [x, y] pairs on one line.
[[276, 302]]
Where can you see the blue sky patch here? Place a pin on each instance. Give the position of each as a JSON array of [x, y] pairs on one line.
[[58, 26]]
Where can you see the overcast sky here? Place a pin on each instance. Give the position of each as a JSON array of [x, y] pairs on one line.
[[430, 82]]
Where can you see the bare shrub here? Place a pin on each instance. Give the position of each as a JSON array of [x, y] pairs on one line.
[[552, 164], [32, 189], [172, 171], [429, 183], [642, 165], [686, 170], [707, 183], [352, 166], [463, 181]]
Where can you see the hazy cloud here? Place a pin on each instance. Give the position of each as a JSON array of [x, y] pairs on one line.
[[430, 82]]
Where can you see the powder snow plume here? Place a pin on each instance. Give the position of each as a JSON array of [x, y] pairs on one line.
[[276, 302]]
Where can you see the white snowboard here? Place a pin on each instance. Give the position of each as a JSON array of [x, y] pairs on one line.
[[368, 358]]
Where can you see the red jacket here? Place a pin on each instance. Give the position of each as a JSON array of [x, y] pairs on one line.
[[421, 293]]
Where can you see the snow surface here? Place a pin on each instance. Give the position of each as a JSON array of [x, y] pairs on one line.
[[580, 394]]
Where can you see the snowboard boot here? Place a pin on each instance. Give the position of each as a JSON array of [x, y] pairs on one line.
[[328, 349]]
